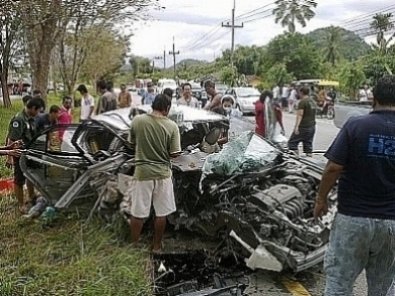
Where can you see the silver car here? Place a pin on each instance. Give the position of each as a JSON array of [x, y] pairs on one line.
[[245, 98]]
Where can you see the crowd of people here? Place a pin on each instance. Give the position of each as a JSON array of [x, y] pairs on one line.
[[290, 95], [34, 119], [360, 158]]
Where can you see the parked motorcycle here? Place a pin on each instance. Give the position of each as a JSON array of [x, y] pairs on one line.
[[326, 109]]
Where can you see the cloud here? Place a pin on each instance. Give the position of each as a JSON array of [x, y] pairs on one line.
[[198, 33]]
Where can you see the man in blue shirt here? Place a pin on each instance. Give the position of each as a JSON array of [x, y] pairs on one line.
[[362, 237], [149, 97]]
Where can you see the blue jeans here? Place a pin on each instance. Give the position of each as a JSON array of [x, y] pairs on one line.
[[356, 244]]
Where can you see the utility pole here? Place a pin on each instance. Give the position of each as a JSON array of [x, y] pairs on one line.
[[174, 52], [164, 59], [233, 26], [153, 61]]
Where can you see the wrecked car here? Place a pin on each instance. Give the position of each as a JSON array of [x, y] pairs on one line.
[[255, 200]]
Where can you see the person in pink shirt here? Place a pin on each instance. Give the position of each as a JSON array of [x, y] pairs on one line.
[[65, 111], [65, 117]]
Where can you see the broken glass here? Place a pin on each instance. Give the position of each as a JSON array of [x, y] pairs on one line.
[[246, 153]]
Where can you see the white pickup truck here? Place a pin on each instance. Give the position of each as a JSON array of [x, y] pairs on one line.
[[345, 110]]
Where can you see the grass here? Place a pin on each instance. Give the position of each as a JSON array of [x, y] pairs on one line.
[[68, 258], [7, 113]]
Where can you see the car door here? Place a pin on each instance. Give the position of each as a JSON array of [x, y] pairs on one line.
[[61, 161], [52, 163]]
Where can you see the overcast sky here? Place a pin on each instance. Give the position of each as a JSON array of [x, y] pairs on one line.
[[196, 25]]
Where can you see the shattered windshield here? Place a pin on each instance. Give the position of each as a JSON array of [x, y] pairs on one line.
[[246, 153]]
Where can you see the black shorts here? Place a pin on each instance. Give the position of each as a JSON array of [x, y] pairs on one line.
[[19, 178]]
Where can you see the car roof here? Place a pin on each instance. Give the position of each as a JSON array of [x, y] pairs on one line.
[[120, 120]]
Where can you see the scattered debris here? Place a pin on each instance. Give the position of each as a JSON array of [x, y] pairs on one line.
[[254, 200], [196, 273]]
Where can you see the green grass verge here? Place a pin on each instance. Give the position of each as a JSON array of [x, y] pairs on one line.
[[68, 258]]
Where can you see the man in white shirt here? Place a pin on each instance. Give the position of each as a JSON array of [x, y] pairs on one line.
[[187, 99], [87, 103], [365, 94]]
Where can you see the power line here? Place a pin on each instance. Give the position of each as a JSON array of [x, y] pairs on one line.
[[208, 35], [203, 36], [258, 13], [366, 19], [203, 39], [244, 15], [350, 20], [364, 29], [364, 25], [258, 18], [204, 42]]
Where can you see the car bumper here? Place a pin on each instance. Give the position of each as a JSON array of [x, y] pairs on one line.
[[246, 108]]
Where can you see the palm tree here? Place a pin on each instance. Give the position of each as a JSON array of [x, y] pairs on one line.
[[333, 40], [290, 11], [382, 23]]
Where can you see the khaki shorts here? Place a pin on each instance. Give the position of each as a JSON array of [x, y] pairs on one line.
[[160, 193]]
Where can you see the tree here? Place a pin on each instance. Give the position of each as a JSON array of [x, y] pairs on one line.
[[278, 75], [382, 23], [10, 45], [298, 54], [291, 11], [377, 65], [72, 50], [350, 46], [45, 22], [40, 23], [229, 76], [105, 54], [140, 65], [333, 40], [351, 78], [247, 59]]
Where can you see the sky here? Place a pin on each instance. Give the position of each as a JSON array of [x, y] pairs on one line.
[[196, 25]]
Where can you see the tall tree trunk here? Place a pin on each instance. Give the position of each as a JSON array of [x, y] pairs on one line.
[[4, 88], [42, 32], [40, 71]]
